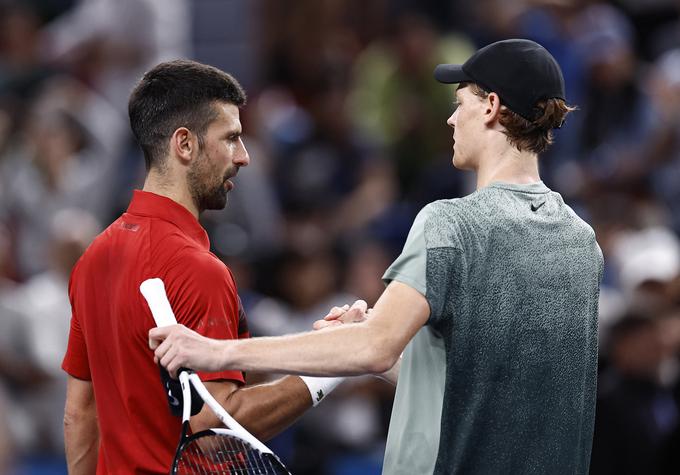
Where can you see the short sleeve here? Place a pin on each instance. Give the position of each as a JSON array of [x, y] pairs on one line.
[[75, 361], [203, 296], [410, 267]]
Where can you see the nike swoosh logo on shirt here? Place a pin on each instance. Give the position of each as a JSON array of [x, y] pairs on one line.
[[536, 207]]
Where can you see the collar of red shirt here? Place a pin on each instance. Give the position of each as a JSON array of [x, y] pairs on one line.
[[149, 204]]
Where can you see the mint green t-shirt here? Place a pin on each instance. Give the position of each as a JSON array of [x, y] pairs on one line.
[[502, 378]]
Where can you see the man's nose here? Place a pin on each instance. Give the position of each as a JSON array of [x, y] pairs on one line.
[[242, 158], [452, 119]]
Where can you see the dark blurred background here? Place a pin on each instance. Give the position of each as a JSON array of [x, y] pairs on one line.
[[346, 132]]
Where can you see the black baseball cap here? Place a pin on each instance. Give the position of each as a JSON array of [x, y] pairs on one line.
[[521, 72]]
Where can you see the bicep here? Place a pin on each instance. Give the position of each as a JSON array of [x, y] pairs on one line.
[[399, 313], [204, 299], [203, 295]]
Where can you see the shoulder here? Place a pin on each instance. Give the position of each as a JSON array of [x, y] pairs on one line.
[[466, 207], [579, 225], [199, 285], [440, 210], [192, 262], [96, 251], [445, 221]]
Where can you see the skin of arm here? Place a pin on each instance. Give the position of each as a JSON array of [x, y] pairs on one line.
[[264, 409], [81, 430], [372, 346], [340, 315], [392, 374]]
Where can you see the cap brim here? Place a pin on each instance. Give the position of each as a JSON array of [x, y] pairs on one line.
[[451, 74]]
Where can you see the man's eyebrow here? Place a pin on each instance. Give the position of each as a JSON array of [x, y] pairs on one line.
[[233, 132]]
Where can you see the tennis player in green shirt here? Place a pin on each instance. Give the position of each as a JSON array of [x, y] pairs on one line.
[[493, 301]]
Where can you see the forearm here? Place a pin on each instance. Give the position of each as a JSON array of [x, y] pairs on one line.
[[372, 346], [81, 437], [267, 409], [81, 430], [342, 351]]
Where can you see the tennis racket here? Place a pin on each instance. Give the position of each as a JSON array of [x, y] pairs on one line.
[[232, 451]]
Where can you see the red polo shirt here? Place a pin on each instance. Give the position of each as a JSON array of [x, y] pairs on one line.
[[108, 342]]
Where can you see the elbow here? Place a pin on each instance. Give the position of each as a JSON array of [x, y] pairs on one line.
[[75, 419], [381, 357], [72, 417]]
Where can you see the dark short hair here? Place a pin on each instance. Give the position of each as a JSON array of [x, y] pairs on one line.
[[175, 94]]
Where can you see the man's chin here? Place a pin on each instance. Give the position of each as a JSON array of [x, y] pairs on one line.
[[219, 204], [460, 163], [215, 202]]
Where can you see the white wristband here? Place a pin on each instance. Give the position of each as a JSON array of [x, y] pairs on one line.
[[319, 388]]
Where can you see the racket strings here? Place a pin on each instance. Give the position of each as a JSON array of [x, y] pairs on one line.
[[223, 454]]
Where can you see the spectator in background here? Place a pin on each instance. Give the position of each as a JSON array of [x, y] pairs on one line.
[[34, 317], [662, 153], [21, 65], [60, 160], [637, 411], [252, 227], [367, 259], [617, 117], [308, 284], [647, 261], [7, 332], [110, 43], [325, 170], [46, 313], [396, 101]]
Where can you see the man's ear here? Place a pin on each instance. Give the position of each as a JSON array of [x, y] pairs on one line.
[[492, 108], [183, 144]]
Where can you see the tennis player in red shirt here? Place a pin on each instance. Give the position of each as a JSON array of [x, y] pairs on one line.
[[185, 116]]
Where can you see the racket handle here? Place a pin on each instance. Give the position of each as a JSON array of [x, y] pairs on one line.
[[153, 291]]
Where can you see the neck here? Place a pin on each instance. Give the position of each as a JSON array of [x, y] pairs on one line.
[[163, 185], [507, 164]]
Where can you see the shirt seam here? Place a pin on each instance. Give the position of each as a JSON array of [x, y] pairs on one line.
[[511, 188], [405, 279]]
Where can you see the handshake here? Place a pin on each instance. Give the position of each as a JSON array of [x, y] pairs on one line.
[[176, 346], [356, 313]]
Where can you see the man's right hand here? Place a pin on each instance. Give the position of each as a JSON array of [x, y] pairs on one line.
[[176, 346]]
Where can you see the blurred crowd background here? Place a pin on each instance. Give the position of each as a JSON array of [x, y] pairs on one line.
[[347, 136]]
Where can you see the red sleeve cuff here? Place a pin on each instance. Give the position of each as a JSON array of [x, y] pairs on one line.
[[236, 376], [76, 372]]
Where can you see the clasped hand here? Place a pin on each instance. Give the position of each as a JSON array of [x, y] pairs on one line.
[[176, 346]]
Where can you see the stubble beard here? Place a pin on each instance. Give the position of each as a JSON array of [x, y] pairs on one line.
[[206, 185]]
